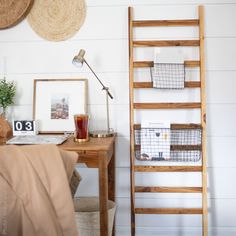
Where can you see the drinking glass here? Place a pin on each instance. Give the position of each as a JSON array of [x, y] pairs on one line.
[[81, 127]]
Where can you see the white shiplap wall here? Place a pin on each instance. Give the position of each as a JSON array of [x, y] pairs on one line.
[[24, 57]]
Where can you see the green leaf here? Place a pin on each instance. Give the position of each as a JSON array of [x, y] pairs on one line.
[[7, 93]]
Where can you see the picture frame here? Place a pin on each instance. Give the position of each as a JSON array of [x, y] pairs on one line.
[[56, 101]]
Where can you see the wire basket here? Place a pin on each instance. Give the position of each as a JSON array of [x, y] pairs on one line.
[[163, 144], [168, 75]]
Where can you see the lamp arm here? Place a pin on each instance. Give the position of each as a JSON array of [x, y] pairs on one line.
[[103, 86]]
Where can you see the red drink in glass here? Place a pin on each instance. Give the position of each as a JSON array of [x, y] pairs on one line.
[[81, 128]]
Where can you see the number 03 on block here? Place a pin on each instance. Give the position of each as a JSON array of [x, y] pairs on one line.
[[24, 127]]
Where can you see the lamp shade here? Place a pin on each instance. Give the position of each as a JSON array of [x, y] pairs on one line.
[[78, 60]]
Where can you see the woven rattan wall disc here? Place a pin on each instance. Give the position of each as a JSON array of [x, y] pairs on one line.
[[57, 20], [13, 11]]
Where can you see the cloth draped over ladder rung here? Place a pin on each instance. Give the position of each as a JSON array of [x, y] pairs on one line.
[[168, 75], [187, 84]]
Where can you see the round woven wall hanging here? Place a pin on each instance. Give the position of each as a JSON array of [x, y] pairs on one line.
[[13, 11], [57, 20]]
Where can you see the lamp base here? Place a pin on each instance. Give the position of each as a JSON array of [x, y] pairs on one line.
[[101, 134]]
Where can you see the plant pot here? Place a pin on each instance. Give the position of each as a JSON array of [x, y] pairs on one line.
[[5, 128]]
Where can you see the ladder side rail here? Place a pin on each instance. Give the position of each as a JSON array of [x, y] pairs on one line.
[[203, 122], [131, 98]]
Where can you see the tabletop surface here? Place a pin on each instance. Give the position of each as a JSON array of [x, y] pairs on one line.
[[94, 144]]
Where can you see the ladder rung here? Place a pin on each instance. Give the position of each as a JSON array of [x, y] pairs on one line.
[[191, 63], [176, 126], [178, 147], [186, 126], [187, 84], [143, 84], [142, 23], [143, 64], [168, 210], [168, 168], [165, 43], [184, 105], [192, 84], [148, 189]]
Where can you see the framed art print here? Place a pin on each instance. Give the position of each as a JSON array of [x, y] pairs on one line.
[[56, 101]]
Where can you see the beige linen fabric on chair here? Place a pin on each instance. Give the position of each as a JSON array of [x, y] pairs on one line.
[[36, 184]]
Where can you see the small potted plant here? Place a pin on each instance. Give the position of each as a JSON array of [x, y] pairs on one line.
[[7, 93]]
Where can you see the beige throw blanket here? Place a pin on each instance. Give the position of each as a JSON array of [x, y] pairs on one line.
[[34, 189]]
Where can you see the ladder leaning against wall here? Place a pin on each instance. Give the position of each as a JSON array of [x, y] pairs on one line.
[[200, 84]]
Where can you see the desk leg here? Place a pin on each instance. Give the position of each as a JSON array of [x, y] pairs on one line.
[[111, 182], [103, 193]]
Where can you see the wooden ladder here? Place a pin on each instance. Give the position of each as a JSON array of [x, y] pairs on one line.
[[200, 105]]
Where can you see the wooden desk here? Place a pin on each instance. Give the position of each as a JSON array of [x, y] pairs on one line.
[[99, 153]]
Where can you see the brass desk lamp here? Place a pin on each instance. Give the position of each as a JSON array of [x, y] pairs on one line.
[[78, 61]]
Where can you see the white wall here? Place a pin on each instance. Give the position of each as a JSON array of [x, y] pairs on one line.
[[24, 57]]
